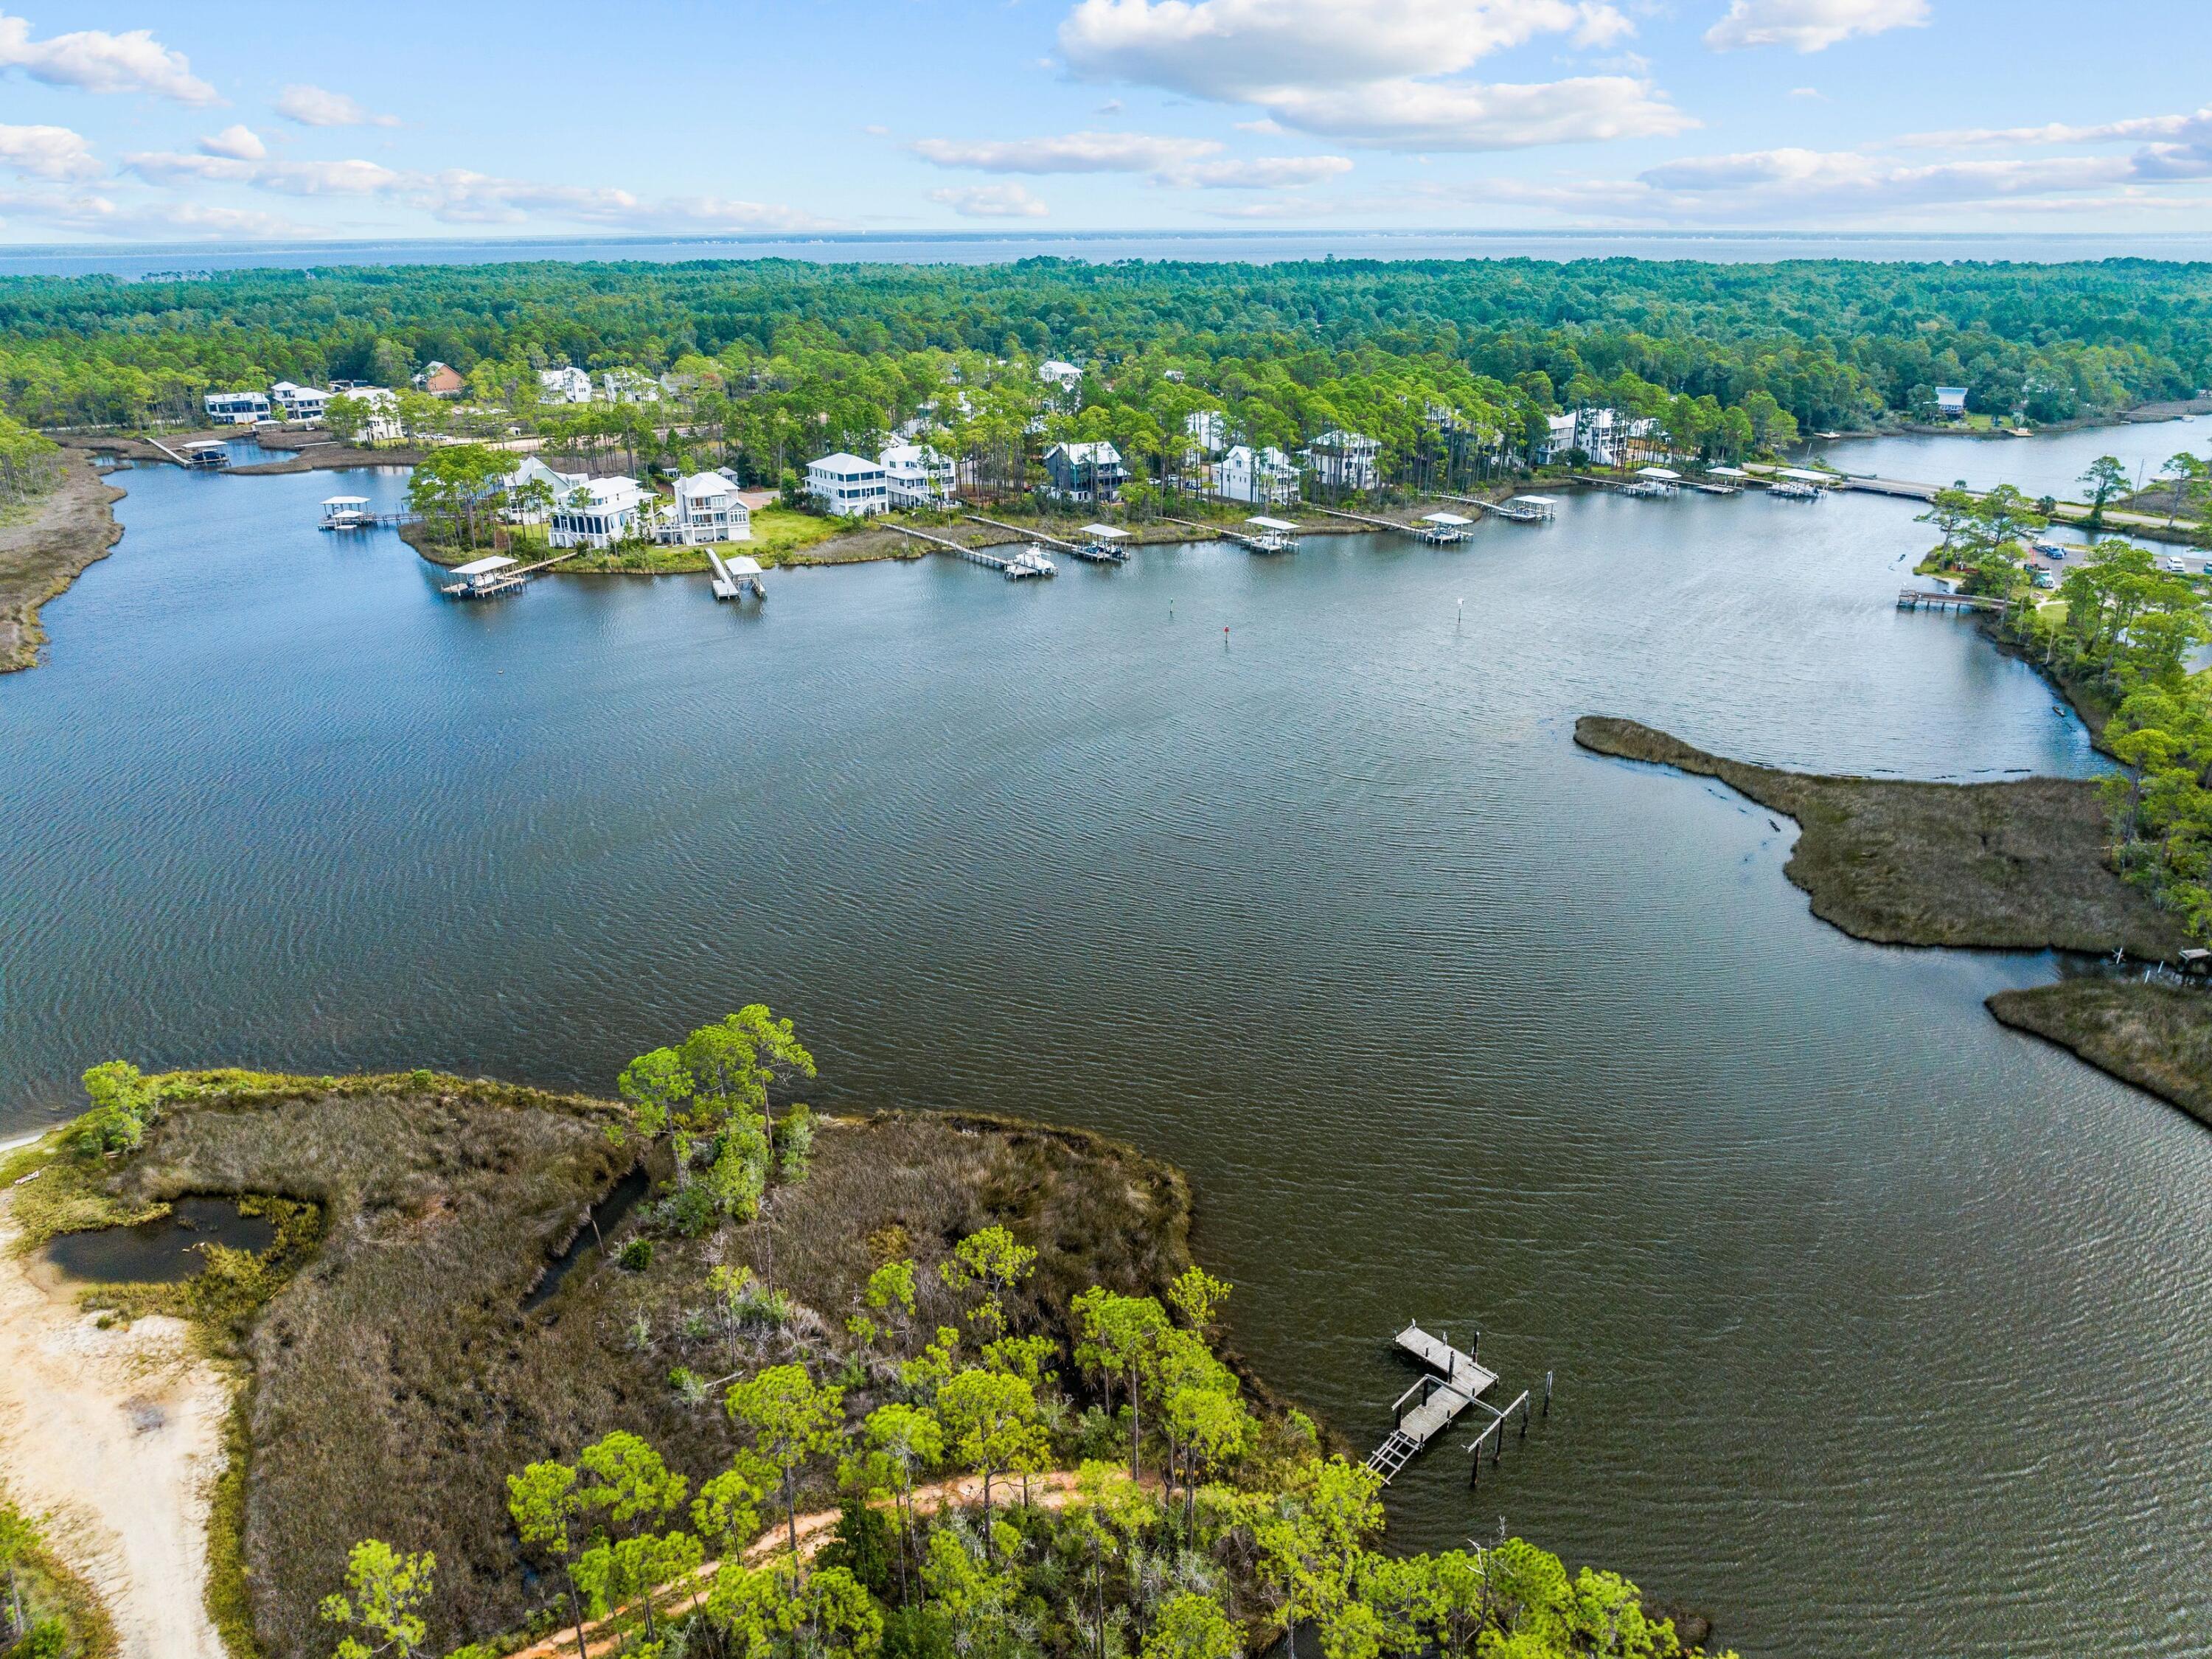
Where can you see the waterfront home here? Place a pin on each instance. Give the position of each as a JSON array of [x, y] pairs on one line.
[[1085, 472], [1346, 460], [1207, 430], [1951, 403], [918, 476], [627, 385], [598, 513], [1558, 440], [848, 486], [1266, 477], [441, 380], [559, 486], [300, 403], [235, 407], [565, 384], [704, 509], [379, 415]]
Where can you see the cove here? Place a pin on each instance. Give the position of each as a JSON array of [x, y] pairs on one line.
[[1873, 1320]]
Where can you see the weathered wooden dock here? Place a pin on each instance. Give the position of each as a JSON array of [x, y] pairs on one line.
[[490, 577], [981, 555], [1270, 541], [1922, 598], [1450, 1383]]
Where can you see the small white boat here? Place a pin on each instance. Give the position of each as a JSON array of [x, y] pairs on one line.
[[1030, 562]]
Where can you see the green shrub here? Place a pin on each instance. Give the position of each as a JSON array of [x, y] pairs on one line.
[[636, 1255]]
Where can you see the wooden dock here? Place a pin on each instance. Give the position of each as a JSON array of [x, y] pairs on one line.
[[1450, 1383], [981, 555], [1052, 542], [1270, 543], [1511, 511], [1920, 599], [491, 585]]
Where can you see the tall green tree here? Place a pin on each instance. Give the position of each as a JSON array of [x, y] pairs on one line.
[[385, 1591], [791, 1419]]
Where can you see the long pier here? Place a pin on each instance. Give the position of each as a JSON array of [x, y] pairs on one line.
[[1505, 510], [1267, 544], [981, 555], [493, 584], [1920, 599]]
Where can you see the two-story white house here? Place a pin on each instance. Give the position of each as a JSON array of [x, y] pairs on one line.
[[300, 403], [526, 506], [705, 509], [1207, 430], [1266, 477], [381, 424], [235, 407], [1060, 376], [565, 384], [627, 385], [848, 486], [1346, 460], [918, 476], [598, 513]]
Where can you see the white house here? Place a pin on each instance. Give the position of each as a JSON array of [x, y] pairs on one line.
[[558, 485], [627, 385], [918, 475], [847, 486], [706, 510], [598, 513], [565, 384], [1065, 376], [235, 407], [300, 403], [1208, 428], [1951, 402], [382, 424], [1267, 477], [1559, 439], [1346, 460]]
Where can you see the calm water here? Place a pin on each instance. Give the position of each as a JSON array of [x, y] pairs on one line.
[[2048, 464], [1879, 1328], [999, 248], [163, 1250]]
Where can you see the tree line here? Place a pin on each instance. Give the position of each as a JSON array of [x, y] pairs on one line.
[[1832, 342], [2122, 634]]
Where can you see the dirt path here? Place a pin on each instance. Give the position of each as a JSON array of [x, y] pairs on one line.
[[116, 1435], [1047, 1492]]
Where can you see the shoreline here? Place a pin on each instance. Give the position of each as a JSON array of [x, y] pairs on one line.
[[1909, 864], [70, 528]]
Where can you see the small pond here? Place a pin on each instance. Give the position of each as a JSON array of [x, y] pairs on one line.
[[162, 1251]]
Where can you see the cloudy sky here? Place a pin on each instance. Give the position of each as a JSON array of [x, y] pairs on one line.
[[144, 122]]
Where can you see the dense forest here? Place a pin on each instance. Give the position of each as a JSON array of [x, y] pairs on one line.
[[795, 357]]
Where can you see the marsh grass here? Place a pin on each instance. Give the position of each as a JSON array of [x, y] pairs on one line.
[[397, 1379], [2158, 1037], [2018, 866]]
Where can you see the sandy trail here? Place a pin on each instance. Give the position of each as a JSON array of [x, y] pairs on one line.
[[1047, 1492], [116, 1435]]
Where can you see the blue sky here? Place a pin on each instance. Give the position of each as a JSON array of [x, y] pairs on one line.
[[476, 118]]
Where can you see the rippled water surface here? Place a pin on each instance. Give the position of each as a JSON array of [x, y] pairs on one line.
[[1878, 1328]]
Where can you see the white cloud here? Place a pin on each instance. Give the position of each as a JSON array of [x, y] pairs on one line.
[[1383, 73], [1808, 92], [93, 60], [459, 196], [317, 106], [46, 153], [1802, 186], [1810, 24], [1453, 115], [2196, 129], [1262, 172], [1074, 152], [992, 201], [239, 141], [102, 215]]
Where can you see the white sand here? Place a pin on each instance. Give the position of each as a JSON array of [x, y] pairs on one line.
[[116, 1435]]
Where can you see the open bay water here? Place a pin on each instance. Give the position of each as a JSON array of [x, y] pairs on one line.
[[1878, 1328]]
